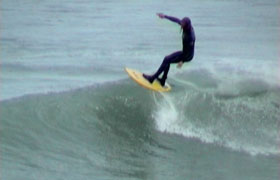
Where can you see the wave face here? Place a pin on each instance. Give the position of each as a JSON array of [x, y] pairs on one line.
[[86, 129], [118, 129]]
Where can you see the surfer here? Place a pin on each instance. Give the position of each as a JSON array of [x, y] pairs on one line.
[[179, 57]]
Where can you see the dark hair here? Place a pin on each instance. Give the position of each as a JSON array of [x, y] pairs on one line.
[[186, 23]]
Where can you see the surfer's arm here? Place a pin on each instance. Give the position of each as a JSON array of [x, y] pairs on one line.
[[173, 19]]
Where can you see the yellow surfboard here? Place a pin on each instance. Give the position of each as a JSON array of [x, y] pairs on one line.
[[138, 78]]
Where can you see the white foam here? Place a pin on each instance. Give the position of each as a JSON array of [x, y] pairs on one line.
[[170, 118]]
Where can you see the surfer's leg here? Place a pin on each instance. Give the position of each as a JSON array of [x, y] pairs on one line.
[[164, 67], [164, 77], [173, 58]]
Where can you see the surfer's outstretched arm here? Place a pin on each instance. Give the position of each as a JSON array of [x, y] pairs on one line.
[[173, 19]]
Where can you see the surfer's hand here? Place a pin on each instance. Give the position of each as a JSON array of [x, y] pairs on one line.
[[180, 64], [161, 15]]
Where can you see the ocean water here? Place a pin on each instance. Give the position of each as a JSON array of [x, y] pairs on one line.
[[69, 111]]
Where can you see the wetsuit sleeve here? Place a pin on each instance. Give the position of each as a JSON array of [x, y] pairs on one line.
[[173, 19]]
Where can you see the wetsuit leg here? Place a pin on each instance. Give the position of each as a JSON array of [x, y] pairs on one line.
[[172, 58]]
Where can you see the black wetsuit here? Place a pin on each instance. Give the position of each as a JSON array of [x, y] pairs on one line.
[[186, 55]]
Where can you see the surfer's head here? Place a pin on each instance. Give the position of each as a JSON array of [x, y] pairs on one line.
[[186, 23]]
